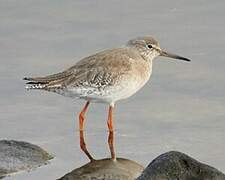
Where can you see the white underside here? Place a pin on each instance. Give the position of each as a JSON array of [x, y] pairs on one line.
[[109, 95]]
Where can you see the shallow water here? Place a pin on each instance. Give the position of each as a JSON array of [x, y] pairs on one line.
[[181, 108]]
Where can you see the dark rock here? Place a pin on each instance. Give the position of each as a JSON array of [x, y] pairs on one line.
[[17, 155], [178, 166], [106, 169]]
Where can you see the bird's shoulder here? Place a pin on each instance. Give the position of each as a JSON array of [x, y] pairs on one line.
[[102, 68], [112, 58]]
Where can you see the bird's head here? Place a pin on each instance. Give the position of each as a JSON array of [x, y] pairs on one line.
[[149, 48]]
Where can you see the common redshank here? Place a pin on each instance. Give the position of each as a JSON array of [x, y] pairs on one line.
[[105, 77]]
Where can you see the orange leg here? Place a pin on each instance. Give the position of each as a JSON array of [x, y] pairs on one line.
[[111, 133], [81, 116], [110, 119], [81, 127]]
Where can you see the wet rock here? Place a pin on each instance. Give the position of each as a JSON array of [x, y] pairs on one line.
[[178, 166], [17, 156], [106, 169]]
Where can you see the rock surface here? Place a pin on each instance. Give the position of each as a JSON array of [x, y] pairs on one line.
[[106, 169], [168, 166], [178, 166], [17, 156]]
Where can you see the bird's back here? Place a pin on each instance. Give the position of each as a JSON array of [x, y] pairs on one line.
[[94, 73]]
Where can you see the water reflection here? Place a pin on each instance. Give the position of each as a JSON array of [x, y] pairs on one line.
[[104, 169], [110, 143], [83, 146]]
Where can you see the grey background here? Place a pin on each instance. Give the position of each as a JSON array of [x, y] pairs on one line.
[[181, 108]]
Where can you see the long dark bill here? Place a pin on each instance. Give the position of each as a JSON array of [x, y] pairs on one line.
[[174, 56]]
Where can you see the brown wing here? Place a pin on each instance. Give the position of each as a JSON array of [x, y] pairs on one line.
[[97, 70], [101, 69]]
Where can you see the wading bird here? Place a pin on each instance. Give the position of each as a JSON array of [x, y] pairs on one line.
[[106, 76]]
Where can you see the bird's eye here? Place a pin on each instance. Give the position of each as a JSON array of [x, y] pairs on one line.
[[149, 46]]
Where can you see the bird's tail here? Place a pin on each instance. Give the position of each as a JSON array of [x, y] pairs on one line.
[[34, 84], [48, 82]]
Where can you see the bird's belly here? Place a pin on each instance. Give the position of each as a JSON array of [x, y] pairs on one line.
[[128, 86], [123, 88]]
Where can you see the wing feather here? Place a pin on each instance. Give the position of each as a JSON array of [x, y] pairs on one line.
[[98, 70]]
